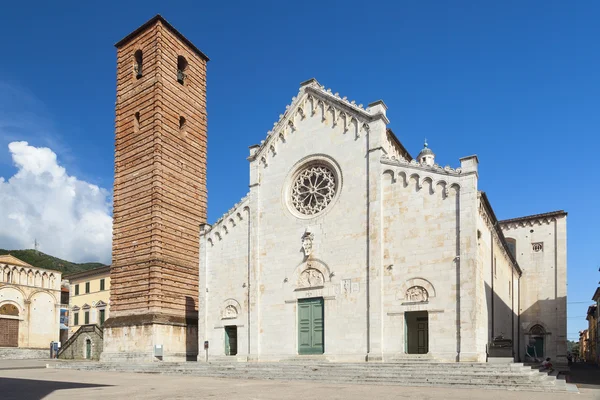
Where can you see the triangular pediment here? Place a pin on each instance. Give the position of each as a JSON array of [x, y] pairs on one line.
[[86, 306], [314, 101], [100, 303], [12, 260]]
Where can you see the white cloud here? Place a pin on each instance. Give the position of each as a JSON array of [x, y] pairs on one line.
[[70, 218]]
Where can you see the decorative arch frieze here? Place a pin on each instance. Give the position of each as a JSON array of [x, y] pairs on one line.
[[527, 223], [227, 223], [313, 100], [418, 182]]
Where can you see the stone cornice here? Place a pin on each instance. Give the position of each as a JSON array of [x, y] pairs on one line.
[[89, 273], [447, 170], [531, 220]]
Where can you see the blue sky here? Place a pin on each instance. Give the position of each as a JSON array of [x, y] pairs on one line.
[[515, 82]]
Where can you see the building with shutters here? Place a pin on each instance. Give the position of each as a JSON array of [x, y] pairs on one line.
[[89, 297], [29, 304]]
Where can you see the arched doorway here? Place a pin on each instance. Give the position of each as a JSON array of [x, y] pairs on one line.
[[9, 326], [537, 336], [88, 349]]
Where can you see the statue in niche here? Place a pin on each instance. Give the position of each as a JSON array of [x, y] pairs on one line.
[[417, 294], [307, 243], [310, 278], [230, 312]]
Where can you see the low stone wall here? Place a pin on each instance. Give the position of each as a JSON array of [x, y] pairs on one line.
[[17, 353]]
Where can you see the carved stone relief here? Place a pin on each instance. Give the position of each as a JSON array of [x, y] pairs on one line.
[[346, 286], [230, 312], [417, 294], [311, 277]]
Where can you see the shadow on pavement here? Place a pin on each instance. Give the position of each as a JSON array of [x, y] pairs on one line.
[[31, 389], [585, 376]]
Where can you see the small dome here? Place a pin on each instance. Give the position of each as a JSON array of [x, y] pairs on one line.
[[426, 151], [426, 156]]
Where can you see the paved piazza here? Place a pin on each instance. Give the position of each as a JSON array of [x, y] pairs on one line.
[[28, 380]]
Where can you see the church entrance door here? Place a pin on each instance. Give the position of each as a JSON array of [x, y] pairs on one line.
[[9, 332], [417, 332], [310, 326], [231, 340], [539, 346]]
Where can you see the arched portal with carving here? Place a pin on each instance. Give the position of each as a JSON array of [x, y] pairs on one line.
[[417, 294], [312, 273], [416, 290], [9, 309], [311, 277], [230, 309]]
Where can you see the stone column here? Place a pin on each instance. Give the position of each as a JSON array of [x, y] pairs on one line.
[[27, 319]]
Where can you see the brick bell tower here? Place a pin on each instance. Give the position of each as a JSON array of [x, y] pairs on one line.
[[159, 196]]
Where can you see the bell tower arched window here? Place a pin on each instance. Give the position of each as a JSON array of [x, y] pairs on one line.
[[137, 65], [181, 67], [136, 122]]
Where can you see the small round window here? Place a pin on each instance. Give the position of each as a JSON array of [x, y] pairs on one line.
[[313, 188]]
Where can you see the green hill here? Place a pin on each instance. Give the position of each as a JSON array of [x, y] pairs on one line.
[[41, 260]]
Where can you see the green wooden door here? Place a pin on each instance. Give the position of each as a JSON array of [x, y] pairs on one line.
[[231, 340], [539, 347], [88, 349], [310, 326]]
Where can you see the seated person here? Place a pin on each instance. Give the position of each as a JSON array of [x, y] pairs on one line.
[[547, 364]]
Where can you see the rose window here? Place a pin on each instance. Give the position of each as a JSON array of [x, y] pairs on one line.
[[313, 189]]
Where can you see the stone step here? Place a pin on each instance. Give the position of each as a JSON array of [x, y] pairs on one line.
[[509, 376], [454, 382], [328, 369], [494, 367], [348, 377]]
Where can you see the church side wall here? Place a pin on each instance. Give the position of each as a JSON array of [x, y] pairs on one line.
[[420, 224], [543, 294], [224, 278], [499, 277]]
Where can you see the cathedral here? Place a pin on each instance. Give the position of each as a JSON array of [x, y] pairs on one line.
[[348, 247], [345, 248]]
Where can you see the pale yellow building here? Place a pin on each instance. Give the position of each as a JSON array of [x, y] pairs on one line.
[[89, 297], [29, 304]]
